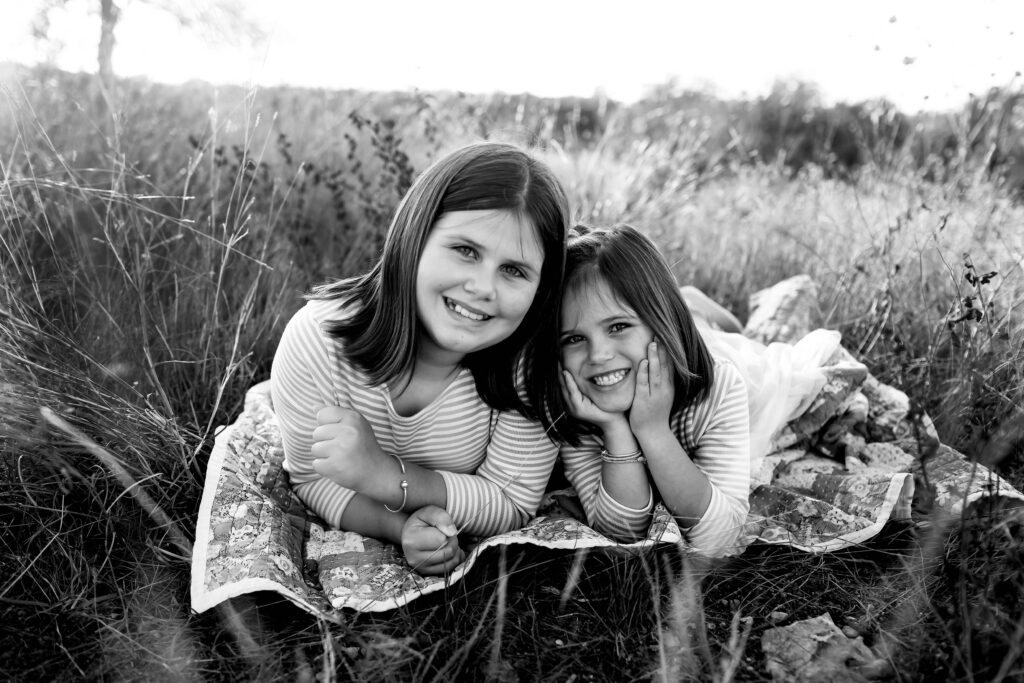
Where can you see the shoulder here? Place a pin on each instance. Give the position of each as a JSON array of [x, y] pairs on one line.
[[727, 388], [728, 378], [309, 320], [321, 311], [305, 336]]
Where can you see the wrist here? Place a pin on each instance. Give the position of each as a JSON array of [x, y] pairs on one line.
[[398, 485], [654, 440], [395, 523], [632, 458], [619, 433]]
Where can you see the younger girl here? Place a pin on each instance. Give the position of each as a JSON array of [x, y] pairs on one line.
[[410, 398], [650, 404]]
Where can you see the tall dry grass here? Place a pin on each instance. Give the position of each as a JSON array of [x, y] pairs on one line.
[[150, 262]]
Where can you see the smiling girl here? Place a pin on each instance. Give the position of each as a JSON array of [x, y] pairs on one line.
[[411, 398], [655, 416]]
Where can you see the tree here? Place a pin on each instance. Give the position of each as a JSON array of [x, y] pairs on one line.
[[223, 20]]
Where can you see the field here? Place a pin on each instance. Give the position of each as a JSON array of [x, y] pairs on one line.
[[150, 260]]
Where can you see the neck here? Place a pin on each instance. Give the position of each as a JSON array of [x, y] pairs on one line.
[[433, 370], [434, 362]]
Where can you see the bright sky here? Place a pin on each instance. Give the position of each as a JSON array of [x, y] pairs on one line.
[[919, 54]]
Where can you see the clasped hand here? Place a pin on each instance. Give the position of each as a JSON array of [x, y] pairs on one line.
[[430, 541], [345, 448]]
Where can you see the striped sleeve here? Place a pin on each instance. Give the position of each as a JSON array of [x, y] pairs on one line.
[[506, 489], [583, 469], [719, 426], [301, 384]]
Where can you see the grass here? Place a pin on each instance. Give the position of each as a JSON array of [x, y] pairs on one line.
[[148, 267]]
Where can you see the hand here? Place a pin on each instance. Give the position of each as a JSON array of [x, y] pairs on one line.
[[431, 542], [582, 408], [652, 398], [346, 449]]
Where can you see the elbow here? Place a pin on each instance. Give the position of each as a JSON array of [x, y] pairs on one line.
[[721, 536], [515, 519], [623, 533]]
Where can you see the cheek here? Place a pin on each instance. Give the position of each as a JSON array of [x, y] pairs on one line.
[[573, 361], [520, 301]]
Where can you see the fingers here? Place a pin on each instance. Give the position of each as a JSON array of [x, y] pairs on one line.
[[667, 371], [654, 365], [319, 463], [572, 394], [436, 517], [334, 430], [331, 415], [643, 377], [569, 388], [430, 541], [658, 368], [438, 561]]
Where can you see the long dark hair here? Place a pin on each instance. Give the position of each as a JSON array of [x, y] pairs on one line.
[[633, 268], [381, 334]]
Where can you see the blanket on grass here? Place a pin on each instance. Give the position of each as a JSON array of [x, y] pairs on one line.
[[821, 488]]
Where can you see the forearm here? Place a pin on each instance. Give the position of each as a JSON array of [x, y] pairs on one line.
[[423, 486], [684, 488], [586, 473], [368, 517], [626, 482]]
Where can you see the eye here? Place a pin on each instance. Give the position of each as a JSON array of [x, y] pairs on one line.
[[514, 271], [618, 327], [463, 250], [570, 339]]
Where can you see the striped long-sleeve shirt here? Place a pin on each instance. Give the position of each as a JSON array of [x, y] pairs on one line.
[[494, 464], [715, 434]]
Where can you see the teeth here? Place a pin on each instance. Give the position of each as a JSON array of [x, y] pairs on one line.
[[465, 312], [610, 378]]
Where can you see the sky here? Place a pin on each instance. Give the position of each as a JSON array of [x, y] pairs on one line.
[[919, 55]]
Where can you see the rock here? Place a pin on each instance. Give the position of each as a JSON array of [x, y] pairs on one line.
[[888, 409], [785, 311], [817, 650]]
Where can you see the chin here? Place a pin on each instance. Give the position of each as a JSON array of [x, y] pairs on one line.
[[614, 404]]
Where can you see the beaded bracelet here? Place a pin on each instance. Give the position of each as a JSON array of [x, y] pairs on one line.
[[635, 456], [405, 489]]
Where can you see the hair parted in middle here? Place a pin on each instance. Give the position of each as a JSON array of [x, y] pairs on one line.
[[381, 334], [638, 275]]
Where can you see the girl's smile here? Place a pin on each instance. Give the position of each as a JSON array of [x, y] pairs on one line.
[[610, 378], [466, 311], [603, 342], [476, 280]]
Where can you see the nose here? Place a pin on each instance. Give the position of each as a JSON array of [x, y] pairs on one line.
[[480, 283], [599, 350]]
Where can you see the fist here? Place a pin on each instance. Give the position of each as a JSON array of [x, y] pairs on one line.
[[430, 541], [345, 449]]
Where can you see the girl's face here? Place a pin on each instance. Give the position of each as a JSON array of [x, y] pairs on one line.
[[603, 342], [476, 281]]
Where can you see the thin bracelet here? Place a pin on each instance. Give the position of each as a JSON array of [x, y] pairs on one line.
[[635, 456], [405, 489]]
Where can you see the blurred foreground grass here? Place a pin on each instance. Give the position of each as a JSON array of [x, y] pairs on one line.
[[150, 262]]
